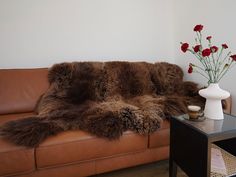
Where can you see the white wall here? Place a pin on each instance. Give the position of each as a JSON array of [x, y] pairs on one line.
[[218, 18], [38, 33]]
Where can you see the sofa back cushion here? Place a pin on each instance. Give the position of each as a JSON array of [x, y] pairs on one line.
[[21, 88]]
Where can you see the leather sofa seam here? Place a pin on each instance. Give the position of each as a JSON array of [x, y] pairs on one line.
[[90, 160], [17, 150], [70, 142]]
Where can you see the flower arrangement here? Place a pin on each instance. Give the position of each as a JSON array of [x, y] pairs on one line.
[[215, 63]]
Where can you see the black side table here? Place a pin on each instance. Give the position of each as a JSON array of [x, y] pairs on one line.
[[190, 143]]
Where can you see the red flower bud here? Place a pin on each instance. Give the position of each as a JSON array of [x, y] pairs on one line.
[[197, 48], [190, 69], [208, 38], [224, 46], [214, 49], [233, 57], [226, 65], [184, 47], [206, 52], [198, 28]]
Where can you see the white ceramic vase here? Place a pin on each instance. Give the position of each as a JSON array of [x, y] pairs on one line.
[[213, 107]]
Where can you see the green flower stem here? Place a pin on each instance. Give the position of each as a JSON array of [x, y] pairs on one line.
[[206, 65], [203, 60], [210, 70], [225, 70], [229, 53], [211, 66], [214, 65], [213, 61], [209, 44], [219, 56], [221, 71], [218, 62], [200, 38], [200, 68], [202, 74], [200, 59], [222, 64]]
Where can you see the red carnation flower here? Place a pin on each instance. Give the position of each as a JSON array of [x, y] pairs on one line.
[[206, 52], [224, 46], [197, 48], [215, 64], [184, 47], [190, 69], [208, 38], [198, 28], [214, 49], [233, 57]]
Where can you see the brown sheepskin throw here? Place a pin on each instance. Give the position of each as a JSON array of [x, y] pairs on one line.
[[105, 99]]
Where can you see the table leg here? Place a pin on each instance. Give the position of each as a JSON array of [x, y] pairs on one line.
[[172, 168], [190, 149]]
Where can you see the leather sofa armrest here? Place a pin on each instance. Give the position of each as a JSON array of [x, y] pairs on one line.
[[226, 104]]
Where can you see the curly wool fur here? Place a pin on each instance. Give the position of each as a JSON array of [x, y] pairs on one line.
[[105, 99]]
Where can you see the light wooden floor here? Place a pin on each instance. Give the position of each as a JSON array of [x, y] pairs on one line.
[[158, 169]]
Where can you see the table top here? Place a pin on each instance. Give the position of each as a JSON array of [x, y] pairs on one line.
[[211, 127]]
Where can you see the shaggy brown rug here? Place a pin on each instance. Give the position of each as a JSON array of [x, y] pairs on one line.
[[105, 99]]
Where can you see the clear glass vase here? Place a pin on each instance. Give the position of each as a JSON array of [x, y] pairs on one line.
[[213, 107]]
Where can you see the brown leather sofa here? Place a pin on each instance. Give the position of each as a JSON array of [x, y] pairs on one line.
[[71, 153]]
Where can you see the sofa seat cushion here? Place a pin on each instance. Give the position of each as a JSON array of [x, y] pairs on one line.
[[161, 136], [15, 159], [75, 146]]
